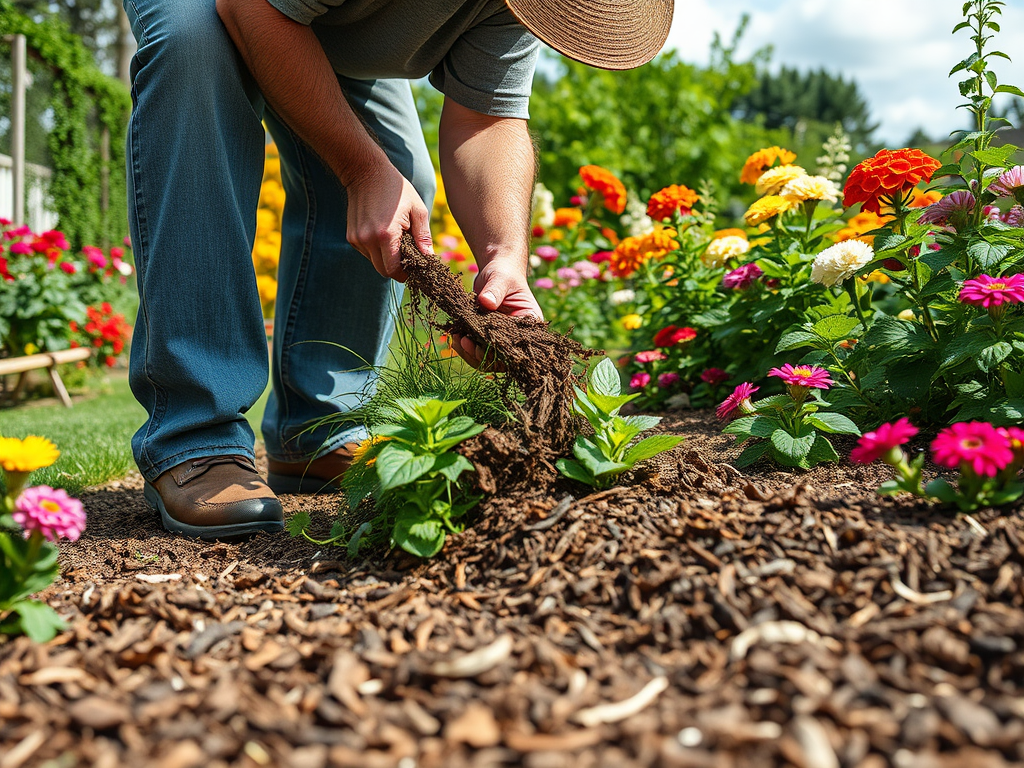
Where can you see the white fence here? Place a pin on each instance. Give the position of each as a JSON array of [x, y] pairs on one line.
[[38, 214]]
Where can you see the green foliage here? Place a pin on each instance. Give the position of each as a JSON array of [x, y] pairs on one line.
[[614, 448], [27, 566], [82, 96]]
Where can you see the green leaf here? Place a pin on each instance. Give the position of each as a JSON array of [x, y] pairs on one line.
[[451, 440], [451, 465], [752, 426], [298, 524], [986, 254], [643, 423], [821, 452], [38, 620], [357, 538], [575, 471], [751, 454], [610, 404], [1014, 383], [964, 347], [423, 538], [833, 423], [650, 447], [999, 156], [835, 327], [604, 379], [941, 490], [796, 340], [397, 466], [991, 357], [427, 410], [591, 456], [795, 448], [1012, 89]]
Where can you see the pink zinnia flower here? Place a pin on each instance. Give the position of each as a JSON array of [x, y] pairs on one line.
[[714, 376], [640, 380], [544, 283], [472, 268], [1015, 216], [809, 376], [987, 291], [566, 273], [21, 231], [1016, 437], [127, 241], [587, 270], [547, 252], [20, 248], [954, 209], [51, 512], [743, 277], [666, 380], [874, 445], [95, 256], [974, 444], [5, 222], [1008, 184], [116, 253], [601, 257], [67, 267], [738, 401], [649, 356]]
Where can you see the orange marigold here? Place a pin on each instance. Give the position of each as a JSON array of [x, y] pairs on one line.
[[633, 252], [762, 160], [603, 181], [665, 202], [857, 227], [924, 199], [719, 234], [567, 217], [890, 174]]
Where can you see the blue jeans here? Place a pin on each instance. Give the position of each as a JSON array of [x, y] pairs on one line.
[[195, 163]]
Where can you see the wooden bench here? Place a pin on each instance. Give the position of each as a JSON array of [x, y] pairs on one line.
[[48, 360]]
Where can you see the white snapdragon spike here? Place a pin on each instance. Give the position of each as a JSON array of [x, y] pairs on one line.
[[805, 188], [842, 261], [624, 296], [635, 219], [724, 248], [543, 206]]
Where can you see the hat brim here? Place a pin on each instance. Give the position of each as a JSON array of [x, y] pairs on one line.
[[609, 34]]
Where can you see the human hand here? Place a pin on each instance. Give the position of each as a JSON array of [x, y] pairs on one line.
[[501, 286], [382, 204]]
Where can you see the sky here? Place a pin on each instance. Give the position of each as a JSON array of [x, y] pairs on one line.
[[899, 51]]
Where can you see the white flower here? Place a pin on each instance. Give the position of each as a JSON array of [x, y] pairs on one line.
[[125, 268], [810, 188], [535, 261], [722, 249], [635, 218], [841, 262], [908, 315], [543, 206], [624, 296]]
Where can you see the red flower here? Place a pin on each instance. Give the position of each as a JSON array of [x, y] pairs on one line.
[[670, 336], [110, 361], [891, 174], [714, 376]]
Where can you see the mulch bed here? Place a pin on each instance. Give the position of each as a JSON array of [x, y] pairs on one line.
[[704, 618]]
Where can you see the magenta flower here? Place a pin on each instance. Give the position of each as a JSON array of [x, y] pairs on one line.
[[1015, 435], [714, 376], [1015, 216], [650, 356], [21, 248], [547, 252], [601, 257], [587, 270], [738, 401], [51, 512], [667, 380], [954, 210], [22, 231], [95, 256], [974, 444], [1008, 184], [567, 273], [987, 291], [544, 283], [874, 445], [640, 380], [67, 267], [743, 277], [809, 376]]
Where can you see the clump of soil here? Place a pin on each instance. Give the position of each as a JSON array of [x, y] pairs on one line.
[[539, 361]]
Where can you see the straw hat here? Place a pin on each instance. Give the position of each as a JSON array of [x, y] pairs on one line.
[[610, 34]]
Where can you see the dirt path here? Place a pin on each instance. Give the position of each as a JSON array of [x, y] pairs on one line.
[[748, 621]]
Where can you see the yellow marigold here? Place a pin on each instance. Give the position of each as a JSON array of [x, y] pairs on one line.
[[554, 235], [27, 455], [805, 188], [267, 287], [363, 447], [924, 199], [858, 225], [774, 179], [665, 202], [272, 195], [266, 221], [765, 209], [876, 276], [632, 322], [568, 217], [729, 233], [762, 160], [659, 242]]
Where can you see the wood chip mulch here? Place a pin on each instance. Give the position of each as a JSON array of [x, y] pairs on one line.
[[705, 618]]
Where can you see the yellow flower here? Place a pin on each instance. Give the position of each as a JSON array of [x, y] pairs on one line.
[[267, 286], [761, 161], [632, 322], [567, 217], [266, 222], [774, 179], [876, 276], [805, 188], [765, 209], [363, 447], [26, 455], [554, 235], [31, 349], [857, 226], [908, 315], [729, 233]]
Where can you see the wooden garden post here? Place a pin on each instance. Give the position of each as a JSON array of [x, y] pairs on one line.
[[19, 76]]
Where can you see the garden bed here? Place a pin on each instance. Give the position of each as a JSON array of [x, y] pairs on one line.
[[770, 619]]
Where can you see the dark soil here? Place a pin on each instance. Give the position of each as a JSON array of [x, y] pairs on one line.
[[539, 361], [752, 620]]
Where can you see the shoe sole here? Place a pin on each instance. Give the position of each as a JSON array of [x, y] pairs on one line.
[[305, 486], [208, 532]]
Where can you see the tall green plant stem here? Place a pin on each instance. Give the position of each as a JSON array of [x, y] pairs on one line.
[[900, 213]]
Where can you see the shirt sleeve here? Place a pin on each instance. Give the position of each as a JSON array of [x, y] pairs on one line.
[[490, 68], [303, 11]]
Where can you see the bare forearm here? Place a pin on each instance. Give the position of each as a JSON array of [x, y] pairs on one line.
[[488, 169], [297, 81]]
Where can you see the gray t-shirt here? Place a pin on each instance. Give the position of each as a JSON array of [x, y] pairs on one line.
[[475, 51]]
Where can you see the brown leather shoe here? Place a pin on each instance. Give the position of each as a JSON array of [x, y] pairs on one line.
[[216, 497], [321, 475]]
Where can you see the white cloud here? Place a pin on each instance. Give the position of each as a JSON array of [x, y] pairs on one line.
[[898, 51]]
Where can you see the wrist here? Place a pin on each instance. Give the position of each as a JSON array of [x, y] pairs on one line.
[[360, 166]]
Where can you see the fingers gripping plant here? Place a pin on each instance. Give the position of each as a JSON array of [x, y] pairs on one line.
[[611, 451]]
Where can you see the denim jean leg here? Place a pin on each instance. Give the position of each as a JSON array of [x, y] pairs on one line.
[[334, 312], [195, 161]]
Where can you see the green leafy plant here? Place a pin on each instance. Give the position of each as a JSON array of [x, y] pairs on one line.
[[612, 450]]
